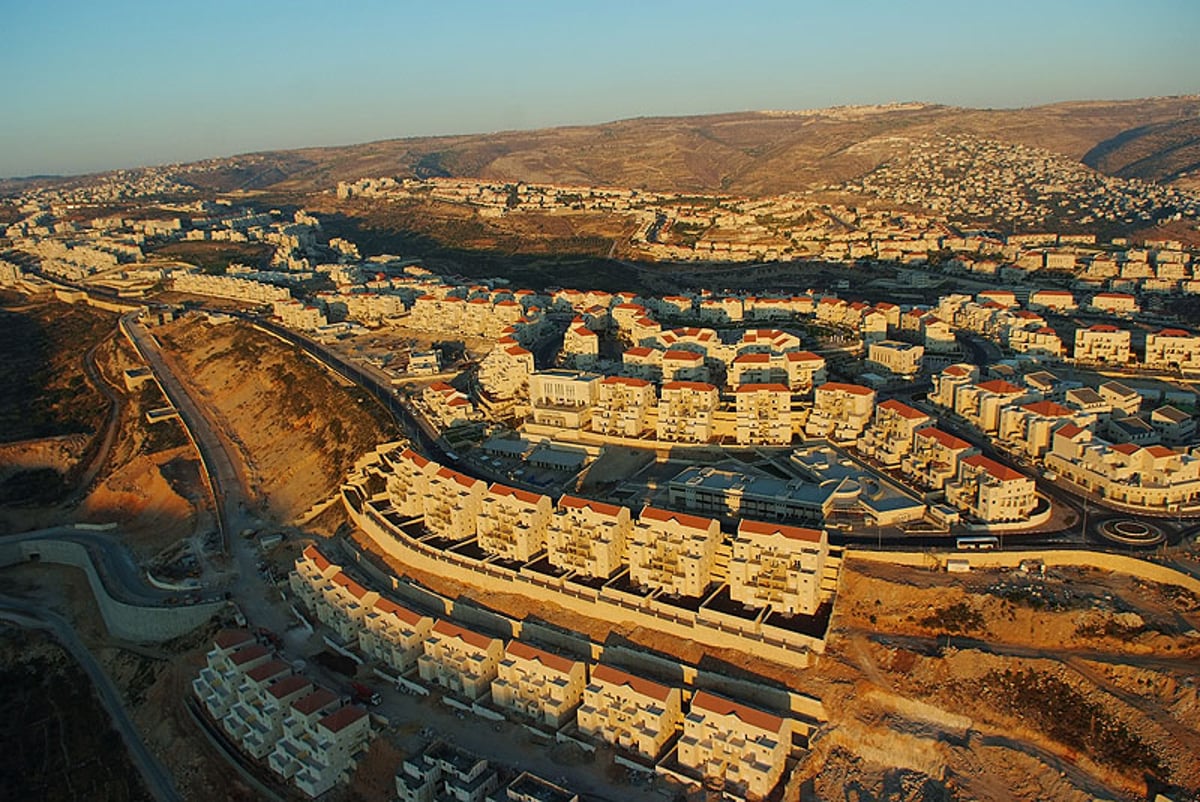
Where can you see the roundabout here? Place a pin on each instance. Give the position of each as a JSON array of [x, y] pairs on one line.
[[1131, 532]]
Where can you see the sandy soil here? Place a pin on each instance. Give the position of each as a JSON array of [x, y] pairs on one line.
[[298, 432]]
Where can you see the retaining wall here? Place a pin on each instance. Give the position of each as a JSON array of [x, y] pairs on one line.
[[126, 621], [783, 647]]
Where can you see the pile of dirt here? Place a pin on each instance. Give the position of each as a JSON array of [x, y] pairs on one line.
[[149, 508], [297, 429]]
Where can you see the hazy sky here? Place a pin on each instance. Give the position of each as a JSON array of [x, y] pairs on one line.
[[97, 85]]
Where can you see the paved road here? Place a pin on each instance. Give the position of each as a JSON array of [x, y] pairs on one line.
[[116, 406], [156, 777], [113, 561]]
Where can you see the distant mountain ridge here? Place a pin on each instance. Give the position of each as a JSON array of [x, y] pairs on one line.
[[744, 153]]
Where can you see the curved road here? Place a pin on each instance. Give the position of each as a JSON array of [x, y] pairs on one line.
[[154, 775]]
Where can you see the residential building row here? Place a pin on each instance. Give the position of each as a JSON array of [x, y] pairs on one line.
[[720, 738], [305, 734]]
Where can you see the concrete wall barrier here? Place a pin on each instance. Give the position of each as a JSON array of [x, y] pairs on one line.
[[127, 621]]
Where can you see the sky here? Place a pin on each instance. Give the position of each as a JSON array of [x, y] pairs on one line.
[[91, 86]]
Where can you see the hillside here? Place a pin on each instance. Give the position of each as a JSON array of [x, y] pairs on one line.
[[747, 153]]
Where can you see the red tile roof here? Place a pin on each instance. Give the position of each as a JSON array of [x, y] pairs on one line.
[[1049, 409], [944, 439], [342, 718], [577, 503], [1001, 472], [247, 654], [850, 389], [615, 676], [703, 387], [902, 409], [727, 707], [313, 555], [498, 489], [1001, 387], [289, 685], [319, 699], [232, 638], [790, 532], [269, 670], [389, 607], [465, 635], [762, 388], [527, 652], [664, 516]]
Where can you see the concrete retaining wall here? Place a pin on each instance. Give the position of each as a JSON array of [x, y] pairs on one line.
[[781, 646], [127, 621]]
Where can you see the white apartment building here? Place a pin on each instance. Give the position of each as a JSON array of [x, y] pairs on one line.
[[244, 714], [938, 335], [1030, 426], [442, 772], [743, 747], [504, 372], [764, 414], [890, 437], [462, 661], [673, 552], [1114, 303], [563, 398], [581, 344], [629, 712], [447, 406], [899, 358], [1123, 400], [1154, 477], [778, 566], [685, 412], [758, 368], [947, 383], [238, 289], [1036, 341], [318, 754], [1173, 349], [840, 411], [935, 457], [299, 316], [234, 653], [805, 370], [264, 727], [1054, 300], [514, 522], [981, 404], [681, 365], [991, 492], [643, 362], [453, 504], [393, 634], [588, 537], [1103, 344], [623, 406], [539, 685], [408, 480]]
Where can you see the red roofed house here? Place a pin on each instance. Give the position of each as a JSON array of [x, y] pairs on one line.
[[588, 537], [326, 751], [744, 748], [890, 436], [538, 684], [673, 552], [776, 565], [629, 712], [935, 457], [623, 406], [514, 522], [1173, 349], [1031, 426], [453, 504], [991, 492], [460, 660], [764, 414], [685, 412], [1102, 344], [393, 634], [840, 412]]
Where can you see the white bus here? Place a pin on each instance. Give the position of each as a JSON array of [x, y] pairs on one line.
[[978, 543]]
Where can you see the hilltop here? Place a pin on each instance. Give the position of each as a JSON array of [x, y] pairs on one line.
[[746, 153]]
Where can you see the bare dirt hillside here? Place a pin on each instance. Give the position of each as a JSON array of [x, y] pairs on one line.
[[298, 429], [751, 153]]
